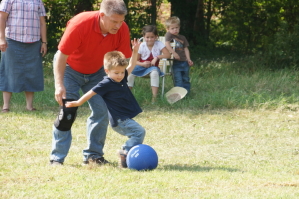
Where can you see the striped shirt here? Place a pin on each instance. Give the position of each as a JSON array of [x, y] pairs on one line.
[[23, 22]]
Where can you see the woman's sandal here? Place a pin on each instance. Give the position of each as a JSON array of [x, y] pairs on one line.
[[5, 110]]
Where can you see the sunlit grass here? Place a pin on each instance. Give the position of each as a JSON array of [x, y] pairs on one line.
[[235, 136]]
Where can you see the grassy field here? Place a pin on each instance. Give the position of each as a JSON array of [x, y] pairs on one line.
[[235, 136]]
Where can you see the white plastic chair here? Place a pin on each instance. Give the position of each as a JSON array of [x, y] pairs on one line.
[[166, 64]]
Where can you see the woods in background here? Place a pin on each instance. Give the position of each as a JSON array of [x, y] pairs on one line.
[[247, 26]]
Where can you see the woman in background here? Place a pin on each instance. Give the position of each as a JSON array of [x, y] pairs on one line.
[[23, 43]]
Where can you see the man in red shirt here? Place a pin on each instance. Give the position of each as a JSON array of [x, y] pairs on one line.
[[78, 64]]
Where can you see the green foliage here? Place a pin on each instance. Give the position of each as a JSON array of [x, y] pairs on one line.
[[283, 50], [140, 15], [266, 29], [246, 25], [59, 12], [137, 18]]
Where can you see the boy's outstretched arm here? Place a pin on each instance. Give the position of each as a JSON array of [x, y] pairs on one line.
[[135, 45], [81, 101]]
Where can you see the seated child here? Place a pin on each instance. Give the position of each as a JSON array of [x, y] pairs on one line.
[[149, 55]]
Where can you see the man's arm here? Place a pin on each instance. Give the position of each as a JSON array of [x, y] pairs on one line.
[[59, 69]]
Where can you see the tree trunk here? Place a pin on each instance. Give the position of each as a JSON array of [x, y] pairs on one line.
[[186, 10], [153, 12], [209, 16], [199, 24]]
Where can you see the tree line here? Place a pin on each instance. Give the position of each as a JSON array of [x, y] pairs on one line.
[[248, 26]]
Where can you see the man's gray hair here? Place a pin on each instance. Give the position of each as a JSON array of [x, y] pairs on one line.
[[110, 7]]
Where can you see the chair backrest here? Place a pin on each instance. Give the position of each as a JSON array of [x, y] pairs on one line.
[[172, 43], [162, 39]]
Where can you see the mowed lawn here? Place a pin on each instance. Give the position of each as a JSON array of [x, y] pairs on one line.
[[213, 144]]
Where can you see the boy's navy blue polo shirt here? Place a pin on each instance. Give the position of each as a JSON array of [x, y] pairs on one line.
[[119, 99]]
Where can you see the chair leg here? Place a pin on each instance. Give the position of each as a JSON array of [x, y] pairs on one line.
[[164, 70], [163, 79]]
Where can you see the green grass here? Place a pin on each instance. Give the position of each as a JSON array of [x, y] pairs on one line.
[[235, 136]]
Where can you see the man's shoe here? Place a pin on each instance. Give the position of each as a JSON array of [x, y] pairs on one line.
[[122, 161], [99, 161], [55, 163]]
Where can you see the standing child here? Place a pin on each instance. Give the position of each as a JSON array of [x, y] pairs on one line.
[[121, 104], [181, 54], [149, 55]]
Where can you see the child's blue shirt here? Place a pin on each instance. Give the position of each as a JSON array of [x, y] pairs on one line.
[[119, 99]]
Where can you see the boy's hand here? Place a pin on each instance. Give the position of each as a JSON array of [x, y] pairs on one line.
[[190, 62], [135, 44], [72, 104], [176, 56]]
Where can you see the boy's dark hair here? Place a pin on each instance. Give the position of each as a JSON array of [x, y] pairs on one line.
[[149, 28]]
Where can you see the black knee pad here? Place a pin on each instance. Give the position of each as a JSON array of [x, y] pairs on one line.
[[66, 117]]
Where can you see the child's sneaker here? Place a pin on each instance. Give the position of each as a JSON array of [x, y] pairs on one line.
[[122, 162]]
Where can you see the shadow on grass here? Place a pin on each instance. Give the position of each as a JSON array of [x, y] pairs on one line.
[[184, 167], [177, 167]]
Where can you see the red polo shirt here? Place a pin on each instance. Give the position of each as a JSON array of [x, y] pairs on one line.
[[86, 46]]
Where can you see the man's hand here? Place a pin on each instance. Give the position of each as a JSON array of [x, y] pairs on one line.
[[60, 93], [176, 56]]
